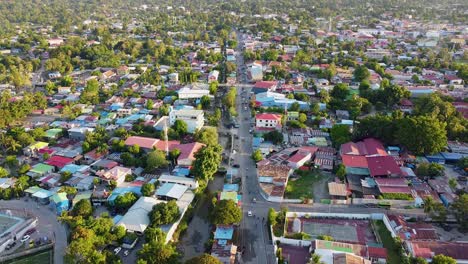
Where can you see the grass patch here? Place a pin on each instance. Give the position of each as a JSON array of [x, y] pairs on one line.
[[44, 257], [393, 249], [302, 187]]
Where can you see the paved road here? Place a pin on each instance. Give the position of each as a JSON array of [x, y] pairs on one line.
[[48, 223], [255, 243]]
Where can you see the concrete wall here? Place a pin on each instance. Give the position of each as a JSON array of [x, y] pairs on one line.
[[386, 221], [334, 215]]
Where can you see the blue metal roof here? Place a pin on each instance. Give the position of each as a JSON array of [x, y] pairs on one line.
[[230, 188], [223, 232]]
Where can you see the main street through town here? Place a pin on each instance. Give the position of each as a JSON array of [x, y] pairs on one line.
[[255, 243]]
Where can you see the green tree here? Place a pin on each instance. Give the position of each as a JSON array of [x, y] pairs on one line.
[[157, 253], [154, 234], [205, 102], [226, 212], [442, 259], [149, 104], [3, 172], [174, 154], [272, 216], [274, 136], [460, 210], [147, 189], [213, 87], [422, 134], [257, 155], [341, 172], [430, 169], [418, 260], [164, 213], [340, 91], [83, 208], [340, 134], [361, 73], [180, 127], [207, 135], [90, 94], [207, 160], [125, 201], [302, 118], [203, 259], [156, 159]]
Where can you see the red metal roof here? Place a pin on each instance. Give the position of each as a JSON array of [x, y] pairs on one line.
[[392, 182], [187, 151], [268, 116], [265, 84], [59, 161], [383, 166], [354, 161], [388, 189], [143, 142]]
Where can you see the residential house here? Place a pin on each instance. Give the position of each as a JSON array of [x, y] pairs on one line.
[[189, 182], [79, 133], [136, 220], [171, 191], [213, 76], [40, 170], [268, 121], [59, 202], [265, 86], [194, 118], [187, 153], [116, 174], [33, 149]]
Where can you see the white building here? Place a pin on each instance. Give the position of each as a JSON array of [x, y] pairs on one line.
[[194, 118], [213, 76], [194, 91], [267, 120]]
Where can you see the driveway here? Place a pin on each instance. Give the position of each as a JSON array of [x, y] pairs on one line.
[[48, 225]]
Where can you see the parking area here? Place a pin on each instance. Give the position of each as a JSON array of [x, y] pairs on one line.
[[48, 227]]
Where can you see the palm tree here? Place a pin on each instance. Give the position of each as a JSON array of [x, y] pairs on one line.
[[429, 204]]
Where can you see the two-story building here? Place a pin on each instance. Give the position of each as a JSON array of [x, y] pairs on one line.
[[194, 118], [268, 121]]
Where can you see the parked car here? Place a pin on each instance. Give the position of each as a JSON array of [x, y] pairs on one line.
[[25, 238], [117, 250], [30, 231]]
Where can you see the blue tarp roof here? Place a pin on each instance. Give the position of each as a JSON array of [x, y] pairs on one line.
[[223, 232], [256, 141]]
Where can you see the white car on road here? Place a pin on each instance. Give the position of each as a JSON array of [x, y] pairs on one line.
[[25, 238], [249, 213]]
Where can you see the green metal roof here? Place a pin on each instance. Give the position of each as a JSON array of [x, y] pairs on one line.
[[41, 168]]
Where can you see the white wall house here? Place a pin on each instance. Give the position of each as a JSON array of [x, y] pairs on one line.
[[268, 121], [193, 118]]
